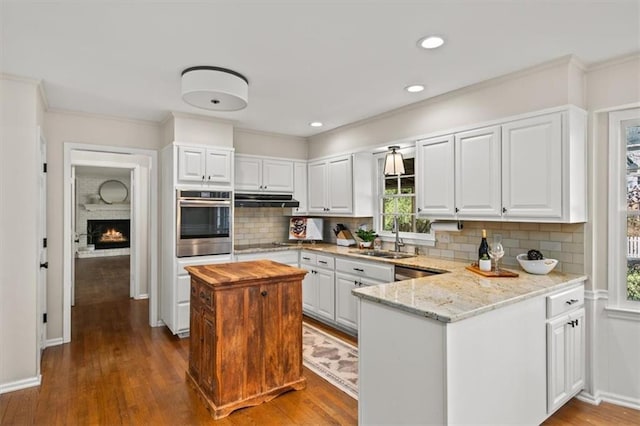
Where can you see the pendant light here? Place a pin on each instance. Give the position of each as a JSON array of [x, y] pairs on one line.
[[393, 162]]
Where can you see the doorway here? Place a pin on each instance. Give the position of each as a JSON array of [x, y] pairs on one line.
[[143, 251]]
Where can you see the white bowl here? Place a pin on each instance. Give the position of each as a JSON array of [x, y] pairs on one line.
[[537, 267]]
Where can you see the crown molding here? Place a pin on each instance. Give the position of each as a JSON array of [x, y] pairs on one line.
[[179, 114], [613, 62], [104, 117], [32, 81], [265, 133]]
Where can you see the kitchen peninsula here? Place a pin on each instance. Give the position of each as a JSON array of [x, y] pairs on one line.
[[246, 333], [458, 348]]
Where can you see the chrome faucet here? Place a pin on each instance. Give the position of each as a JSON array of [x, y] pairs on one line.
[[396, 229]]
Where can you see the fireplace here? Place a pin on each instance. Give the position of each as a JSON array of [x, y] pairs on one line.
[[108, 233]]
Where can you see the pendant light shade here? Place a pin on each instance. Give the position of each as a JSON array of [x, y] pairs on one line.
[[393, 162], [215, 88]]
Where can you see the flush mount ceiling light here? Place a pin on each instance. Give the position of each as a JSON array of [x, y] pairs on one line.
[[431, 42], [315, 124], [414, 88], [215, 88], [393, 162]]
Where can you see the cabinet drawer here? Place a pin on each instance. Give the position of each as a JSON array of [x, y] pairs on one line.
[[183, 317], [184, 284], [376, 271], [199, 260], [307, 258], [565, 301], [325, 261]]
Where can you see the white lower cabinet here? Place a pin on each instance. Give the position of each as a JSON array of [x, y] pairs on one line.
[[318, 286], [565, 347]]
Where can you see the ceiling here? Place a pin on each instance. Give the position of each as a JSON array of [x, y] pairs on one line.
[[334, 61]]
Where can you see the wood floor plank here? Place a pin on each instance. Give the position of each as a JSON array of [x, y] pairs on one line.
[[118, 370]]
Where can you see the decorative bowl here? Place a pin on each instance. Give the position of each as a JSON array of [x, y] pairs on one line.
[[537, 267]]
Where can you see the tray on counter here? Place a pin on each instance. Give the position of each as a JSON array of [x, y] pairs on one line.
[[503, 273]]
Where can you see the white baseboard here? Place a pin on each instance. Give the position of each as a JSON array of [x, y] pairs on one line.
[[20, 384], [142, 296], [624, 401], [54, 342], [588, 398]]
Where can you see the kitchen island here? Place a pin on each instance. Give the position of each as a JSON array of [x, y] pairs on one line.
[[459, 348], [246, 333]]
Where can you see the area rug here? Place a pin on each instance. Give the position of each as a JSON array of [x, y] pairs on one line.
[[330, 358]]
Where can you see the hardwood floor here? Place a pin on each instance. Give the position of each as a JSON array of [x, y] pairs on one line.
[[118, 370]]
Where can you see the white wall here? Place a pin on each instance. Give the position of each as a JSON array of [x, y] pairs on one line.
[[21, 111], [613, 368], [269, 144], [61, 127], [196, 129], [533, 89]]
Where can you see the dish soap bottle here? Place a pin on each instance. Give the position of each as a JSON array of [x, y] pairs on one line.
[[484, 261]]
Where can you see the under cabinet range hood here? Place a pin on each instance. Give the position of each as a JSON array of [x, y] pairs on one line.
[[265, 200]]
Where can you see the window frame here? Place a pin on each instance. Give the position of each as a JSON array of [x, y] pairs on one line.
[[617, 228], [407, 237]]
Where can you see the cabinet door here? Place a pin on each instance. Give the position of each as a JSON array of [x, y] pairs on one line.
[[340, 185], [277, 176], [532, 168], [317, 194], [556, 362], [208, 351], [248, 173], [435, 177], [309, 290], [346, 303], [300, 187], [478, 174], [195, 336], [191, 163], [218, 166], [326, 293], [575, 358]]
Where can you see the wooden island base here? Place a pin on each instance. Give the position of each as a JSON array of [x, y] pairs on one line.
[[245, 344], [225, 410]]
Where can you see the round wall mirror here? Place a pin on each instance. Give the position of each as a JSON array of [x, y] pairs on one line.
[[113, 191]]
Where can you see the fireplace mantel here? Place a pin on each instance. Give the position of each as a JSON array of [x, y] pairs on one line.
[[105, 207]]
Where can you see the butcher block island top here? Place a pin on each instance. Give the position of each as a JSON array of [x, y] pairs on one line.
[[245, 333]]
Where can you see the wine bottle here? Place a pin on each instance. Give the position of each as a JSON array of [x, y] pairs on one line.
[[484, 261]]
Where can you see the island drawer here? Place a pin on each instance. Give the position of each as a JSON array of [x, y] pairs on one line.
[[565, 301], [377, 271]]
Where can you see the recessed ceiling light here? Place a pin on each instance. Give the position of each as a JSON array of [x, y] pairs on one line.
[[414, 88], [315, 124], [431, 42]]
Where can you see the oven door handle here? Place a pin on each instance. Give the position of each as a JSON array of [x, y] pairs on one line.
[[208, 203]]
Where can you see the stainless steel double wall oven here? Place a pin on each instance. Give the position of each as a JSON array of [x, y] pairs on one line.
[[203, 223]]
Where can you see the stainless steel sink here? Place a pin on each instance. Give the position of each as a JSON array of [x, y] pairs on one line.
[[384, 254]]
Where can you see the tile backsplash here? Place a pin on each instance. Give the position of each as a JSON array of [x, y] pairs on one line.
[[564, 242]]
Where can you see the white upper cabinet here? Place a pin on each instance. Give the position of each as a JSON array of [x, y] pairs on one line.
[[204, 165], [527, 169], [478, 174], [532, 166], [263, 174], [435, 177], [341, 185], [300, 187]]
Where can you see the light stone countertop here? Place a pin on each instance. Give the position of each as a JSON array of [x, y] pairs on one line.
[[450, 296]]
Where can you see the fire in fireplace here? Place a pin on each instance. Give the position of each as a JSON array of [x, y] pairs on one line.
[[108, 233]]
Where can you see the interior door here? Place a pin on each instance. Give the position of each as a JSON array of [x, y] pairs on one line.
[[74, 235], [42, 246]]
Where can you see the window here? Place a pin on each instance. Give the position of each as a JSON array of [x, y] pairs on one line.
[[624, 224], [397, 198]]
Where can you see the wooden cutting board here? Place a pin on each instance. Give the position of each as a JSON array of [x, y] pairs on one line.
[[503, 273]]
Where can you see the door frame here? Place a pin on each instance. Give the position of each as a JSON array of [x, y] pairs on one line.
[[110, 156]]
